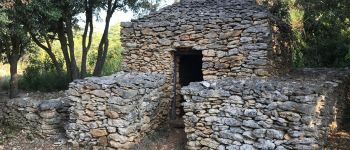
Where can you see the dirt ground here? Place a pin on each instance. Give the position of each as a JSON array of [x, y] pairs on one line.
[[162, 139], [22, 140], [339, 141], [165, 138]]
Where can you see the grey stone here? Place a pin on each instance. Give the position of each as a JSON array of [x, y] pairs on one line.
[[265, 144], [246, 147], [251, 124], [259, 133], [250, 112], [231, 122], [274, 134]]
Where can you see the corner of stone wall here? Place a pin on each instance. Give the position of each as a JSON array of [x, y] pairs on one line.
[[44, 117], [284, 113], [115, 111]]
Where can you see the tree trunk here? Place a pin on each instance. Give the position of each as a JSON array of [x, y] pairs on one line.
[[64, 47], [14, 77], [86, 43], [73, 63], [13, 57], [103, 46], [48, 50]]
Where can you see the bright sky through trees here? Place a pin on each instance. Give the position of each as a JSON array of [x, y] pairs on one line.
[[121, 16]]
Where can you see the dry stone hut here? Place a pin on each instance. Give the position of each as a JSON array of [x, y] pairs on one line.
[[222, 38], [199, 40], [227, 63]]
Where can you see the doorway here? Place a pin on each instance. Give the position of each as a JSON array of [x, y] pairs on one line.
[[190, 67], [187, 69]]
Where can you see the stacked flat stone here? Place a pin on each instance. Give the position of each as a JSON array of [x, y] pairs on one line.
[[295, 112], [115, 111], [44, 117], [237, 39]]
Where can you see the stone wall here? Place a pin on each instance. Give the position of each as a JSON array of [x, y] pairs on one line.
[[237, 39], [116, 111], [44, 117], [294, 112]]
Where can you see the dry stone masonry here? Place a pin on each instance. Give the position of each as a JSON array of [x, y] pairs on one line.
[[295, 112], [236, 37], [44, 117], [249, 98], [115, 111]]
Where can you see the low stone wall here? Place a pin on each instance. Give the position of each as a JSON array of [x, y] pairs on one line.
[[115, 111], [45, 117], [294, 112]]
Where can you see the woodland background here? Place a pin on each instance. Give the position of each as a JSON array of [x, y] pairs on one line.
[[43, 45]]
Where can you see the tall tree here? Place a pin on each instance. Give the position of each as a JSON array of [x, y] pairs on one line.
[[57, 20], [13, 39]]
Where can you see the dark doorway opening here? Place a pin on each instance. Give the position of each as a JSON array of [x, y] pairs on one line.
[[187, 69], [190, 67]]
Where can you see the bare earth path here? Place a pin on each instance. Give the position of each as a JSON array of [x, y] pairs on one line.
[[339, 141]]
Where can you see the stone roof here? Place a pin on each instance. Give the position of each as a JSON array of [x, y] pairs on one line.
[[201, 10]]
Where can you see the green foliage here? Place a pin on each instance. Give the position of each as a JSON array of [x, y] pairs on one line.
[[321, 28], [4, 83], [40, 75], [114, 58]]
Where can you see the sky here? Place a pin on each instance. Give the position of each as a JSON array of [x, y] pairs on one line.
[[121, 16]]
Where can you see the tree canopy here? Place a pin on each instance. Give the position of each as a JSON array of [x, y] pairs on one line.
[[321, 28]]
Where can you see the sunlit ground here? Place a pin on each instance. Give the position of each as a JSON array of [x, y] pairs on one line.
[[5, 74]]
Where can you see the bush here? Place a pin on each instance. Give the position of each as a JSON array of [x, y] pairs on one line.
[[41, 76], [4, 83]]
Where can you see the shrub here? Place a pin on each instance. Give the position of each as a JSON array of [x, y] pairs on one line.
[[4, 83], [41, 76]]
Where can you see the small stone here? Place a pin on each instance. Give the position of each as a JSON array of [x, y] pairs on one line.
[[48, 114], [247, 147], [103, 141], [118, 138], [274, 134], [129, 94], [164, 42], [99, 93], [205, 84], [210, 143], [112, 114], [250, 112], [251, 124], [259, 133], [265, 144], [232, 122], [98, 132]]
